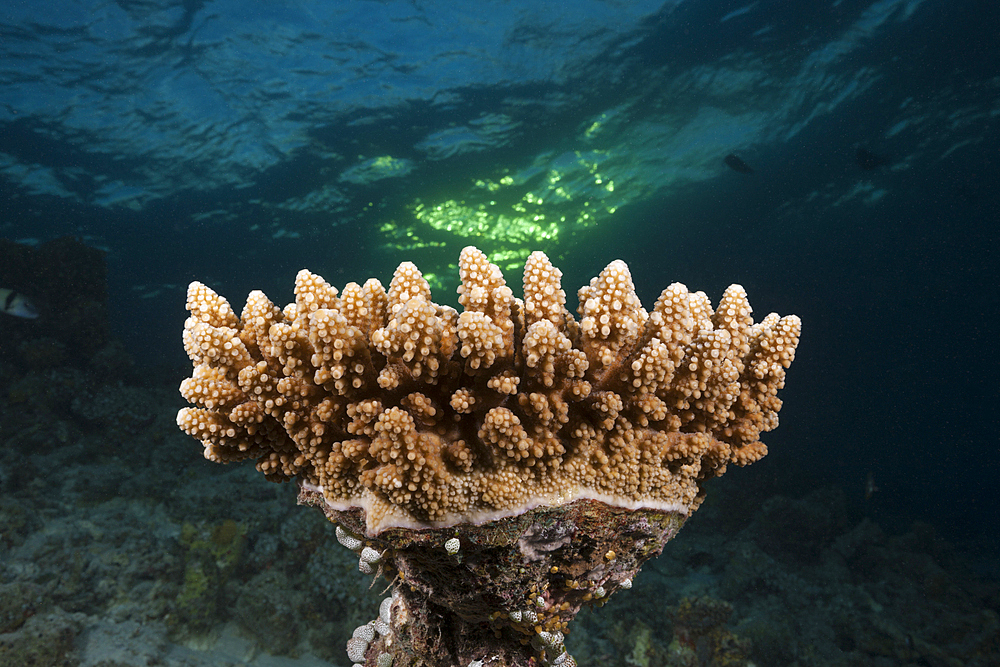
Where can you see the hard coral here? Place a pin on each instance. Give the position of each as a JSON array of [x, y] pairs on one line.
[[508, 464], [426, 417]]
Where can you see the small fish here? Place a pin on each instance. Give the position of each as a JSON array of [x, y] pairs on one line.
[[736, 164], [16, 304], [870, 161], [870, 487]]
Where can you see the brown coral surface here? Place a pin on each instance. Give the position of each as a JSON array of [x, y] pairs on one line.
[[426, 417]]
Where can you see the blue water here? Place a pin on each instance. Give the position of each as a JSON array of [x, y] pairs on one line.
[[235, 143]]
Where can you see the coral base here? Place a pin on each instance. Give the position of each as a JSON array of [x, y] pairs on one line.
[[504, 593]]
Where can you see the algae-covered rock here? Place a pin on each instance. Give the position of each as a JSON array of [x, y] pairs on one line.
[[267, 611], [18, 602], [43, 641], [212, 553], [700, 633], [198, 602], [16, 520]]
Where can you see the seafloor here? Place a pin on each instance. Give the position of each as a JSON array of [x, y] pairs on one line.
[[120, 546]]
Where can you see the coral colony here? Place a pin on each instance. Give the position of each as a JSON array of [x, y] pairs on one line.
[[502, 466]]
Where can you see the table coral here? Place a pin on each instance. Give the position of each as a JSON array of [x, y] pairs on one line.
[[502, 466]]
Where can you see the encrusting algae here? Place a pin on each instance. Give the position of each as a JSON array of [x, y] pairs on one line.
[[512, 427]]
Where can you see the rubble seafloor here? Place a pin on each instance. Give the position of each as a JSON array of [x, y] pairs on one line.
[[122, 547]]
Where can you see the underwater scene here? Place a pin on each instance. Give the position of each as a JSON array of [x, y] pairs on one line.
[[478, 301]]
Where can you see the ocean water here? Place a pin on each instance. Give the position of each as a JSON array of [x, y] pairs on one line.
[[235, 143]]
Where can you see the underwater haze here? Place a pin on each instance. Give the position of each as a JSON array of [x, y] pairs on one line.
[[839, 159]]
